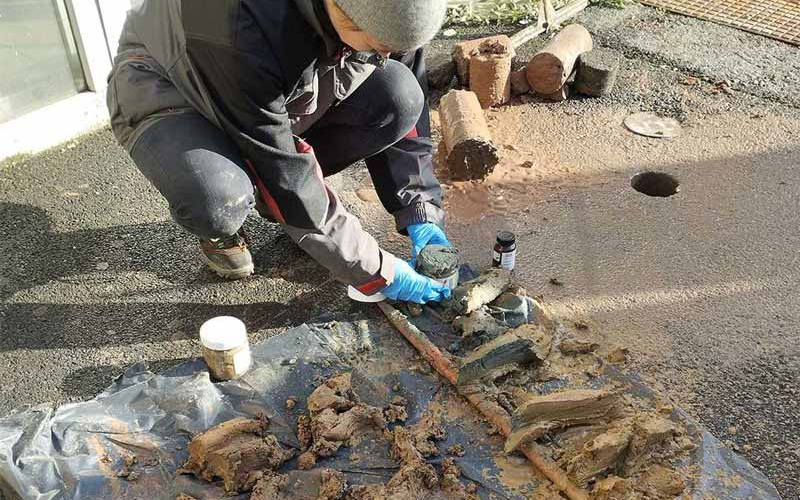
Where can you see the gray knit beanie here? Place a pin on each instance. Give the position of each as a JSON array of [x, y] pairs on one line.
[[400, 25]]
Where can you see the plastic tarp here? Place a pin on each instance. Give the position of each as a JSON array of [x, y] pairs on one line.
[[76, 451]]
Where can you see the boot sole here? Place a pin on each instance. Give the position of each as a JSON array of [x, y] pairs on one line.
[[230, 274]]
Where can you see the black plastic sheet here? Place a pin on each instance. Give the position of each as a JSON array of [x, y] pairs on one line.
[[76, 451]]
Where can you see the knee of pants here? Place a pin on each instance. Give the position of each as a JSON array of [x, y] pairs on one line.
[[400, 99], [218, 208]]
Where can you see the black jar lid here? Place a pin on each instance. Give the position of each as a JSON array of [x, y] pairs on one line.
[[506, 238]]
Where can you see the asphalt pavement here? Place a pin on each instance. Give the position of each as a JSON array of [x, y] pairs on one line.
[[701, 286]]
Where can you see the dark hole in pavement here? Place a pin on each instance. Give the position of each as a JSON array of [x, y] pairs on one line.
[[655, 184]]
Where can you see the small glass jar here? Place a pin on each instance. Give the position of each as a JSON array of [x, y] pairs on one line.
[[226, 349], [505, 250]]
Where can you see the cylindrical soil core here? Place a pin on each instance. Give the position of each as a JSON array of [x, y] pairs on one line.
[[597, 72], [490, 74], [439, 262], [225, 347], [468, 142]]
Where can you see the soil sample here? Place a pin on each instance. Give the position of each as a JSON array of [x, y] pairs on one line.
[[524, 345], [542, 414], [519, 82], [597, 72], [470, 154], [236, 451], [415, 479], [318, 484], [439, 262], [478, 292], [336, 414], [463, 52], [490, 74], [550, 68]]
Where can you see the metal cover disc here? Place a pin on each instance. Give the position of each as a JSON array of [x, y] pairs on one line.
[[650, 125]]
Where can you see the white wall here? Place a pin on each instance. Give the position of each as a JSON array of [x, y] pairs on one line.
[[97, 26], [113, 12]]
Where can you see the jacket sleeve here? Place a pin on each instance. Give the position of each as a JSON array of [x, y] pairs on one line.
[[403, 174], [247, 93]]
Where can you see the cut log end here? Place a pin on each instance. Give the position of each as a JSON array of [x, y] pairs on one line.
[[560, 95]]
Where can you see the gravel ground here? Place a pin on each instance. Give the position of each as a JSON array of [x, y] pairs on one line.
[[701, 286]]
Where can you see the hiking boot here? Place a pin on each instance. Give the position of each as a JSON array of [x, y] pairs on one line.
[[229, 257]]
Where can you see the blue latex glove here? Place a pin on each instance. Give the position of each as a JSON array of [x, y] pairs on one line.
[[410, 286], [425, 234]]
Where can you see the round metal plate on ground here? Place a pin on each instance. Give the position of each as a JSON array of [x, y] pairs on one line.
[[650, 125]]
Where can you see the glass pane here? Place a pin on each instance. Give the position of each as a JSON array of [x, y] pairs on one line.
[[38, 60]]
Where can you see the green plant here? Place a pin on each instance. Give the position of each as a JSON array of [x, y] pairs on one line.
[[613, 4], [492, 12]]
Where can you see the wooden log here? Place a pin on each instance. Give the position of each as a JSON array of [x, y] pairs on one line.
[[490, 74], [596, 72], [491, 411], [525, 344], [550, 68], [541, 414], [560, 95], [476, 293], [470, 152], [463, 52]]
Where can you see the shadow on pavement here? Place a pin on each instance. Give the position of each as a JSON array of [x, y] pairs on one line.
[[78, 262], [86, 383]]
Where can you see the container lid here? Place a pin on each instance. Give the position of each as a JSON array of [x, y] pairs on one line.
[[360, 297], [506, 237], [223, 333]]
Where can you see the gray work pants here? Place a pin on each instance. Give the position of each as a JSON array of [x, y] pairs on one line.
[[200, 172]]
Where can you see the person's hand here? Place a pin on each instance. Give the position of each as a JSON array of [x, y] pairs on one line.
[[410, 286], [425, 234]]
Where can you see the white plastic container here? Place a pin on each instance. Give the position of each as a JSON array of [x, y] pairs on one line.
[[354, 294], [225, 347]]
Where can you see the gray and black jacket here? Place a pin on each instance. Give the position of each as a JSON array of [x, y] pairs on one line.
[[264, 71]]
